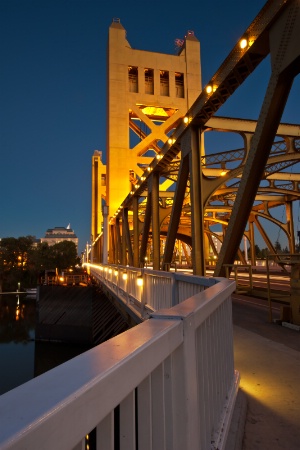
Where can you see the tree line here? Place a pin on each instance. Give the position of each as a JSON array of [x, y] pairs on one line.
[[21, 261], [262, 253]]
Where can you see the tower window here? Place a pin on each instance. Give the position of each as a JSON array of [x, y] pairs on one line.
[[133, 79], [164, 82], [149, 81], [179, 85]]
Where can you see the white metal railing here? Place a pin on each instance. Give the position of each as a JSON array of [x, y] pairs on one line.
[[168, 383], [157, 290]]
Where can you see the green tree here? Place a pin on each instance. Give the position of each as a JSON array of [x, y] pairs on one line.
[[278, 247], [264, 253], [14, 260], [58, 256], [64, 255], [40, 256], [21, 262], [14, 251]]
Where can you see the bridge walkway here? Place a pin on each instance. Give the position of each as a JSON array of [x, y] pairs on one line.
[[268, 359]]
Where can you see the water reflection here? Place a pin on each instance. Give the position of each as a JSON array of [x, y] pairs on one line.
[[17, 318], [17, 324], [21, 357]]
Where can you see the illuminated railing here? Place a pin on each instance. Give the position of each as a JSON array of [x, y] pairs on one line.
[[146, 290], [168, 382]]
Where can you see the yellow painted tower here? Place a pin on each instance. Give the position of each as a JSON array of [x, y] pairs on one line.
[[148, 93], [98, 194]]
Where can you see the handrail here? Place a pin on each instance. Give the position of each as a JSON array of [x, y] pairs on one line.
[[158, 289], [171, 379]]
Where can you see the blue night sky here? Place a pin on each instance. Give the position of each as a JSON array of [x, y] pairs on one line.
[[53, 94]]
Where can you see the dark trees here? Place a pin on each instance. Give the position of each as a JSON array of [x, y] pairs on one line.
[[22, 262]]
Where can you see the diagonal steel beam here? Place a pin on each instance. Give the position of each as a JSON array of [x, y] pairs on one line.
[[176, 210]]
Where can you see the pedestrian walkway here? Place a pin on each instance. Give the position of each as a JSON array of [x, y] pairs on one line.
[[269, 367]]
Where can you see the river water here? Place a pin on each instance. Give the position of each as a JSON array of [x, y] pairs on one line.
[[21, 357]]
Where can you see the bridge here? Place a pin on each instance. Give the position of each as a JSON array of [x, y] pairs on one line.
[[163, 195], [170, 382], [167, 383]]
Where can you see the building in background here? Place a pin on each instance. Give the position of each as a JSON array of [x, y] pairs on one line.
[[59, 234]]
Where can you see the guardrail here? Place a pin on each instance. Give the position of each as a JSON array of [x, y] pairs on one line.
[[168, 382], [241, 288], [147, 290]]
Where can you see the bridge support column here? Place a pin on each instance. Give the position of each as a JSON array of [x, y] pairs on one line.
[[111, 255], [99, 249], [126, 236], [146, 229], [196, 204], [123, 243], [105, 234], [155, 221], [252, 242], [135, 232], [118, 249], [290, 224]]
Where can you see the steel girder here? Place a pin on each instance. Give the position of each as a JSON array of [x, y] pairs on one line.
[[263, 159]]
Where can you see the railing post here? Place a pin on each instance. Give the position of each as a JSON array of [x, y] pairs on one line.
[[192, 437], [80, 445], [183, 405], [250, 278], [143, 294], [174, 291], [127, 422], [105, 433]]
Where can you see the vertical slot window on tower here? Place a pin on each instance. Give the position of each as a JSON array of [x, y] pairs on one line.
[[133, 79], [103, 179], [149, 81], [179, 85], [164, 82]]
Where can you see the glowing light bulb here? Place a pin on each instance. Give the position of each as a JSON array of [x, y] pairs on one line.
[[243, 43]]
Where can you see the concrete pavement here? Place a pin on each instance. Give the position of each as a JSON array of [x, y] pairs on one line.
[[267, 413]]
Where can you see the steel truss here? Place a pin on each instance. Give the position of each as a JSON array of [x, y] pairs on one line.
[[237, 188]]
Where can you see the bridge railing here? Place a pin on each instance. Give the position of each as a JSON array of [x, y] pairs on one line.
[[146, 290], [168, 382]]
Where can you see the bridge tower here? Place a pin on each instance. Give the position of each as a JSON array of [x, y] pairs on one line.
[[161, 185], [148, 94], [98, 203]]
